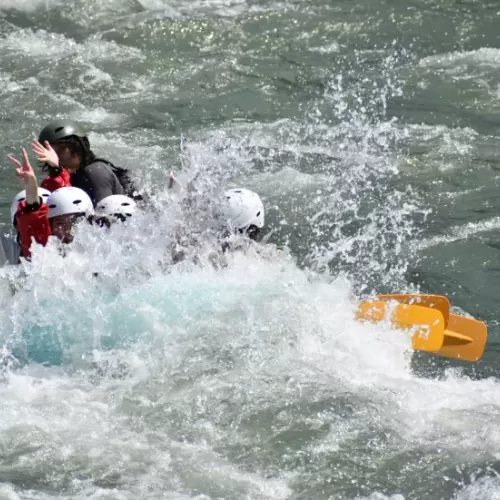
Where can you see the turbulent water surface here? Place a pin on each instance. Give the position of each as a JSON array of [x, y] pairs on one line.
[[371, 131]]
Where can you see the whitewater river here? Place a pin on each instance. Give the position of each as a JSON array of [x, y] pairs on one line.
[[371, 130]]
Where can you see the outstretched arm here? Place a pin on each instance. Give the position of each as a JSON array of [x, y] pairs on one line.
[[32, 214], [26, 174]]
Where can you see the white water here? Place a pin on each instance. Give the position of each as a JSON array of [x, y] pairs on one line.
[[251, 381], [214, 362]]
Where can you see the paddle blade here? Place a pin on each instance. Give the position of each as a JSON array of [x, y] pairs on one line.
[[427, 325], [438, 302], [464, 339]]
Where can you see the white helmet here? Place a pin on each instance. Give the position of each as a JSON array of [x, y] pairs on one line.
[[69, 200], [116, 205], [243, 208], [21, 196]]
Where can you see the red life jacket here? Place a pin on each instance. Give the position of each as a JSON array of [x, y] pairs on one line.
[[32, 224], [53, 183]]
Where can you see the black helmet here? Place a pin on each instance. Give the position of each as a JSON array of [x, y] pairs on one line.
[[58, 130]]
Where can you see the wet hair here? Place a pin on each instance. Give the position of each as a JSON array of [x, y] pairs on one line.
[[78, 146]]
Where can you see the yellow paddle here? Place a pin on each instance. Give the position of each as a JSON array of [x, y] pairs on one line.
[[438, 302], [463, 338], [427, 325]]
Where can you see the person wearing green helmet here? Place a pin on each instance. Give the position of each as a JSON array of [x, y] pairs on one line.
[[64, 150]]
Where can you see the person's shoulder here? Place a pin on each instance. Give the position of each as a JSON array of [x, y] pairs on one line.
[[98, 164], [98, 168]]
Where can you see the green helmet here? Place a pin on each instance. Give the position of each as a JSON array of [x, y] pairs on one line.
[[56, 131]]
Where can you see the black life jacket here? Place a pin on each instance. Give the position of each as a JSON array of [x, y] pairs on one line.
[[126, 181]]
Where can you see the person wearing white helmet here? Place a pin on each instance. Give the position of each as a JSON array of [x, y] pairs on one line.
[[239, 212], [240, 216], [66, 206], [10, 249], [115, 207], [20, 197], [242, 212], [38, 217]]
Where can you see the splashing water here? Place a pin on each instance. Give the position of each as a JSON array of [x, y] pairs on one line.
[[127, 376]]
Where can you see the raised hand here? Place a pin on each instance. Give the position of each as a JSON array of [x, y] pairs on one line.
[[45, 153], [24, 171], [26, 174]]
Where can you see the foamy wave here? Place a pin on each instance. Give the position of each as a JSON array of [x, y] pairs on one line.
[[28, 5], [42, 44], [462, 233], [485, 488], [488, 57]]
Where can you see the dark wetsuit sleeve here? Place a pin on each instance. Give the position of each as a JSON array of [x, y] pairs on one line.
[[101, 182]]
